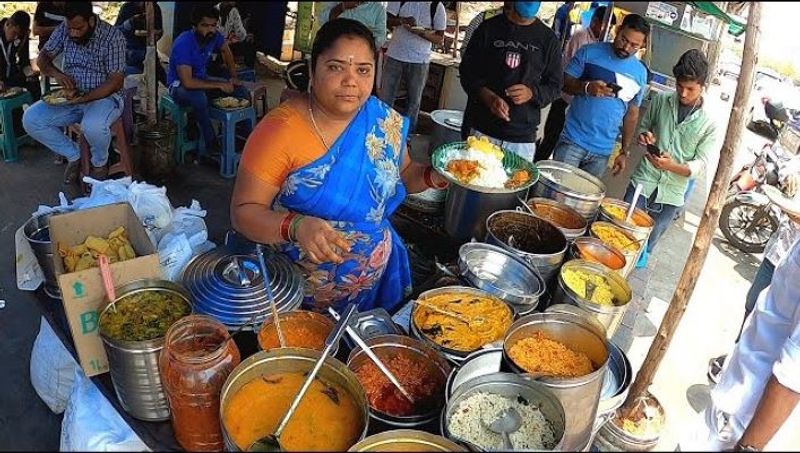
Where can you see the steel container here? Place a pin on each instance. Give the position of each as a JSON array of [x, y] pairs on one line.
[[611, 437], [616, 384], [134, 364], [405, 440], [290, 360], [579, 396], [503, 274], [567, 219], [512, 386], [446, 127], [609, 317], [37, 233], [597, 251], [571, 186], [386, 347], [631, 256], [551, 246], [640, 228]]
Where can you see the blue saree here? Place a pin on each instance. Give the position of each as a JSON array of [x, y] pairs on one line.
[[355, 186]]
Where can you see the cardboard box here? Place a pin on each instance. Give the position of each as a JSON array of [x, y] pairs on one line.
[[83, 294]]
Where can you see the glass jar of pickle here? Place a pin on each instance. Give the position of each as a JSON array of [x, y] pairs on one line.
[[194, 364]]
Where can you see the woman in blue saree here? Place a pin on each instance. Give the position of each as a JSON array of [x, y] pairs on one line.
[[321, 174]]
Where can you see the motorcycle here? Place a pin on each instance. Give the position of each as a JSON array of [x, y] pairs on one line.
[[772, 119], [748, 219]]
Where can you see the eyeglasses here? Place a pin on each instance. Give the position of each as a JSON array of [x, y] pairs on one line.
[[629, 45]]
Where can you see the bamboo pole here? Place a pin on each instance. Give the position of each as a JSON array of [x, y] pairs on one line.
[[708, 223], [151, 87]]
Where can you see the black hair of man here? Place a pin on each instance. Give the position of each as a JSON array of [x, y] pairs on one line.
[[75, 9], [21, 19], [692, 66], [638, 23], [204, 11], [329, 33]]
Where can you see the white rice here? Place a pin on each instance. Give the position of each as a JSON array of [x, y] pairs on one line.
[[471, 419], [491, 175]]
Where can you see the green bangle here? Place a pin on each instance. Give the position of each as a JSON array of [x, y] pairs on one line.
[[293, 227]]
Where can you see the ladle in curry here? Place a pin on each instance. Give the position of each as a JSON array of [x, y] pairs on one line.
[[374, 357], [265, 274], [272, 442], [108, 281]]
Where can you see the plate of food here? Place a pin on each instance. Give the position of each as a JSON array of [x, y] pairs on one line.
[[482, 166], [60, 97], [231, 103], [11, 92]]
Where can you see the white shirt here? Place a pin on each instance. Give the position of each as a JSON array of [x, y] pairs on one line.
[[770, 344], [406, 46]]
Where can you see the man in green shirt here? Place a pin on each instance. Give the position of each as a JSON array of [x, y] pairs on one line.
[[681, 137]]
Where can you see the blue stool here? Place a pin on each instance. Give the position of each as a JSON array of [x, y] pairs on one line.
[[246, 74], [8, 137], [178, 114], [229, 160]]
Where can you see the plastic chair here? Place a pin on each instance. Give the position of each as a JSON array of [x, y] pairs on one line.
[[178, 115], [229, 160], [8, 137], [258, 95]]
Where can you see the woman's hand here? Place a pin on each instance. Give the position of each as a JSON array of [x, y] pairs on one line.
[[320, 241]]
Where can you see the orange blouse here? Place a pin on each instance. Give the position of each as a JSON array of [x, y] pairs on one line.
[[281, 143]]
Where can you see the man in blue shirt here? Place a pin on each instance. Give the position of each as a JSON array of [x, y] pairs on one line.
[[131, 22], [189, 84], [608, 83], [562, 26]]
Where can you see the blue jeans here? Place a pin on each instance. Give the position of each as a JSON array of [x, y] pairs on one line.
[[662, 214], [199, 100], [43, 122], [415, 74], [762, 279], [574, 155]]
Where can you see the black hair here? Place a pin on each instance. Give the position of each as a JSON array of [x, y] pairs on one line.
[[201, 11], [329, 33], [75, 9], [600, 14], [638, 23], [21, 19], [692, 66]]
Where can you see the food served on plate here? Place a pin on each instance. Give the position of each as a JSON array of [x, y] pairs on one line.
[[230, 102], [539, 354], [59, 97], [481, 164], [11, 91]]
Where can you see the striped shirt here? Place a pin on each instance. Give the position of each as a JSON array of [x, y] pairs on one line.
[[90, 65]]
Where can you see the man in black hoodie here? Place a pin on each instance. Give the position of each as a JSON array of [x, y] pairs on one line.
[[510, 71]]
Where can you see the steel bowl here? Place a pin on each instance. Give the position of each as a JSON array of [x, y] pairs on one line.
[[406, 440], [570, 185], [288, 360], [479, 363], [594, 250], [318, 323], [453, 355], [567, 219], [511, 386], [387, 347], [501, 273]]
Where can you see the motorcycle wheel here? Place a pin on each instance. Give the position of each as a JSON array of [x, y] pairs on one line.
[[736, 222]]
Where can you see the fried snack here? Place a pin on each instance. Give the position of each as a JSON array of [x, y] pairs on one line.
[[539, 354], [117, 247], [518, 179], [464, 170]]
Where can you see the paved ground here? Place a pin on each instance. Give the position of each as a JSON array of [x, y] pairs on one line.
[[709, 326]]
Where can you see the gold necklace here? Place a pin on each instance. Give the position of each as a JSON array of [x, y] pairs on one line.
[[314, 123]]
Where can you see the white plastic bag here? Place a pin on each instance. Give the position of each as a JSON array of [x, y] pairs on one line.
[[189, 222], [104, 193], [92, 424], [29, 272], [174, 252], [152, 207], [52, 369]]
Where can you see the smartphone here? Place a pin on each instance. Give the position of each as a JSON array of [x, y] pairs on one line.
[[653, 149], [615, 87]]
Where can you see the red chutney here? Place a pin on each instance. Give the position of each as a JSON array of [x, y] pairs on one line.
[[194, 364], [424, 385]]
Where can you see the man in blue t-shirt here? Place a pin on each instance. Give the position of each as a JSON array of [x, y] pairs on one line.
[[608, 83], [189, 84]]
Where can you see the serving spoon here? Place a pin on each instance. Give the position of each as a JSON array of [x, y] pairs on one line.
[[265, 274]]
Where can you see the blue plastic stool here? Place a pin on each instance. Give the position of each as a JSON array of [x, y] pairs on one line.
[[178, 114], [229, 160], [246, 74], [8, 137]]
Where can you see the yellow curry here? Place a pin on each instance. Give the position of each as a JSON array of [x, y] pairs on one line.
[[615, 238], [487, 320], [327, 419]]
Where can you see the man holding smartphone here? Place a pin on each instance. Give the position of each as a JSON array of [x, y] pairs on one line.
[[608, 84], [680, 136]]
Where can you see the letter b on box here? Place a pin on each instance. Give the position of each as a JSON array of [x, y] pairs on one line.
[[89, 321]]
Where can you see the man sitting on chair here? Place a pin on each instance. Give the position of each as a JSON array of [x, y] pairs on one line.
[[92, 78], [189, 84]]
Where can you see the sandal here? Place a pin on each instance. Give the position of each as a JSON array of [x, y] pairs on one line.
[[715, 367]]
